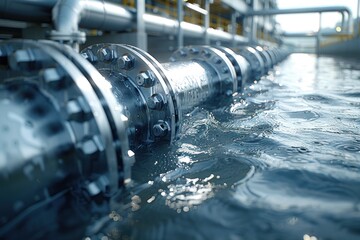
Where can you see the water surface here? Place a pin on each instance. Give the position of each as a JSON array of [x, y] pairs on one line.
[[280, 161]]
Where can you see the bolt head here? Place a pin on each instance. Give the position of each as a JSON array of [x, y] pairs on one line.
[[126, 62], [225, 70], [161, 129], [145, 79], [54, 78], [90, 148], [93, 189], [21, 59], [155, 102], [217, 60], [182, 53], [206, 53], [78, 110], [106, 54], [194, 50], [89, 55]]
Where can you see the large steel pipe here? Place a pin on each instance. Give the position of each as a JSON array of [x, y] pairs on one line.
[[67, 124]]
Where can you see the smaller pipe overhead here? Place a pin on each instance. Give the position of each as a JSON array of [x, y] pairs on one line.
[[159, 24], [340, 9], [297, 10], [93, 14], [311, 34], [22, 10], [67, 14]]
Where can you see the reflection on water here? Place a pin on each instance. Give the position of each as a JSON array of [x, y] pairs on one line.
[[281, 162]]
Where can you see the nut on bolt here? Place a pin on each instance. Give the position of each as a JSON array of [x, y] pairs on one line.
[[145, 79], [225, 70], [155, 101], [217, 60], [89, 55], [161, 129], [26, 59], [90, 148], [54, 78], [194, 50], [106, 54], [206, 53], [78, 110], [182, 53], [126, 62]]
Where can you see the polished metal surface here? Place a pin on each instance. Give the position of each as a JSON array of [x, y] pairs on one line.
[[58, 130], [255, 60], [71, 120]]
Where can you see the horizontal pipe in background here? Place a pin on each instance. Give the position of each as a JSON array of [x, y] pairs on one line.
[[108, 16]]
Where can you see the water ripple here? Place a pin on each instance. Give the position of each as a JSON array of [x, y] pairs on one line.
[[280, 161]]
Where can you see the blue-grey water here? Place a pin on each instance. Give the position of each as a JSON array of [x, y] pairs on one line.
[[280, 161]]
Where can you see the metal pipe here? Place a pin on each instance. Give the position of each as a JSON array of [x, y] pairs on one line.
[[207, 21], [318, 35], [297, 11], [105, 16], [340, 9], [112, 17], [68, 14], [180, 16], [141, 36], [358, 19], [69, 125], [22, 10], [159, 24], [234, 16], [94, 14], [311, 34]]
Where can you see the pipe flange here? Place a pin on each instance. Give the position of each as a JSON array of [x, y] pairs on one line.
[[265, 57], [145, 74], [272, 56], [240, 65], [78, 105], [255, 61], [114, 114], [275, 52], [216, 59]]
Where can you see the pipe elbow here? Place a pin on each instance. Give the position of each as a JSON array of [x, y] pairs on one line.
[[66, 15]]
